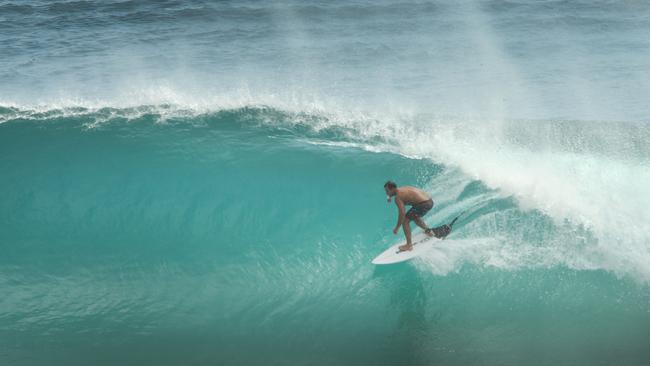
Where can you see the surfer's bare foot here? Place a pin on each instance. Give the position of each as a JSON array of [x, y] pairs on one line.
[[405, 247], [429, 232]]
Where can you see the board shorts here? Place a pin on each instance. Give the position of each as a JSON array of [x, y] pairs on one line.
[[419, 209]]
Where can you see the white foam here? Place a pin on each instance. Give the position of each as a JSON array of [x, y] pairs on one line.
[[584, 181]]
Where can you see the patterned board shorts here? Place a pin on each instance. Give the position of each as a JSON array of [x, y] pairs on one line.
[[419, 209]]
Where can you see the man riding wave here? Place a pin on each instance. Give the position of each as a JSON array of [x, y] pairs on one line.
[[420, 203]]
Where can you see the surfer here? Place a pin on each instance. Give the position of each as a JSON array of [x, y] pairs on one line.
[[420, 203]]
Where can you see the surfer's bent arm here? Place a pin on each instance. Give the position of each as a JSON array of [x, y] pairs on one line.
[[401, 214]]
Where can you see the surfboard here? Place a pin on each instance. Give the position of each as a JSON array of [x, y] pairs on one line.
[[421, 244]]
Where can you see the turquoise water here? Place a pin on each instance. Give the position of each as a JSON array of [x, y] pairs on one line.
[[201, 183], [180, 242]]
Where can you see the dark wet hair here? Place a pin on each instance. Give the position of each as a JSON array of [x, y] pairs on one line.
[[390, 184]]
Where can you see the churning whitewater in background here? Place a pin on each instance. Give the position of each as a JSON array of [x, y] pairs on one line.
[[200, 183]]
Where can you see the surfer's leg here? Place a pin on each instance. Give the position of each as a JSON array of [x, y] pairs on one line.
[[421, 209], [421, 224], [407, 233]]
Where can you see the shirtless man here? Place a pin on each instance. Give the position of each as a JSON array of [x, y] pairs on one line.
[[420, 203]]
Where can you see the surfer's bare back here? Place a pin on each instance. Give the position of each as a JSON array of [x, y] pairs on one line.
[[420, 203]]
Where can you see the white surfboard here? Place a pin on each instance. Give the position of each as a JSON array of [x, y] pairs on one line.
[[421, 244]]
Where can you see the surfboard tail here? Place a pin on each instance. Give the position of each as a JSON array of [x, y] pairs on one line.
[[441, 232]]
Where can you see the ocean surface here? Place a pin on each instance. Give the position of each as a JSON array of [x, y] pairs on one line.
[[201, 182]]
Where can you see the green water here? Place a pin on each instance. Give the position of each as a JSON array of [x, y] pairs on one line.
[[219, 239]]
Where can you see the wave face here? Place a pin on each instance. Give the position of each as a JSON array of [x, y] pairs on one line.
[[189, 182], [153, 235]]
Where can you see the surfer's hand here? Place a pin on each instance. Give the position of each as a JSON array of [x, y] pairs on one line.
[[395, 230]]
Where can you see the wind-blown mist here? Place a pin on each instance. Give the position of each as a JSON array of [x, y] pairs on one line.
[[571, 60]]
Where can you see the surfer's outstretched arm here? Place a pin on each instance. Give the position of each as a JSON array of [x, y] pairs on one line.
[[401, 215]]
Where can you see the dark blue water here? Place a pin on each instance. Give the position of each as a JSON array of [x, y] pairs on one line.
[[200, 183]]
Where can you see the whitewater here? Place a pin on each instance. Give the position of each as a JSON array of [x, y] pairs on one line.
[[200, 183]]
